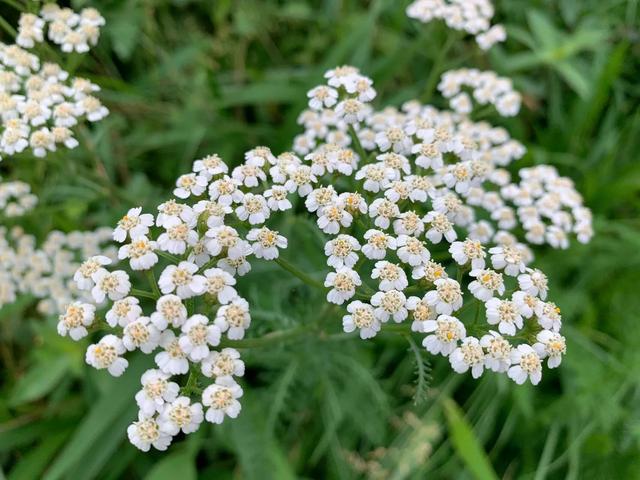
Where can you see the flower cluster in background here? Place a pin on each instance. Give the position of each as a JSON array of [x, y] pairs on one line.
[[16, 199], [471, 16], [73, 32], [40, 103], [487, 89], [46, 272]]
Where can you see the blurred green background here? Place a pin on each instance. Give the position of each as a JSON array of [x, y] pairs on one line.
[[183, 78]]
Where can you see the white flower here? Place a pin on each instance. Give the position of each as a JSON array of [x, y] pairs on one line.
[[234, 318], [549, 316], [383, 211], [179, 415], [322, 97], [213, 211], [134, 224], [75, 320], [421, 311], [331, 217], [497, 352], [486, 284], [277, 198], [146, 432], [391, 276], [526, 363], [106, 354], [362, 86], [123, 312], [447, 297], [115, 285], [197, 336], [169, 310], [226, 238], [447, 331], [391, 304], [534, 282], [412, 251], [377, 244], [140, 253], [156, 390], [527, 304], [254, 208], [468, 250], [341, 250], [236, 266], [468, 355], [343, 283], [505, 314], [440, 226], [351, 110], [172, 360], [225, 191], [377, 176], [210, 166], [361, 316], [190, 184], [408, 223], [182, 279], [178, 235], [508, 258], [550, 345], [142, 334], [84, 274], [248, 175], [225, 363], [219, 283], [172, 213], [320, 197], [221, 398], [266, 242]]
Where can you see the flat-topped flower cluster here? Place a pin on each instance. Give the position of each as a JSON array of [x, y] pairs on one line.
[[16, 199], [40, 103], [46, 272], [415, 206], [471, 16]]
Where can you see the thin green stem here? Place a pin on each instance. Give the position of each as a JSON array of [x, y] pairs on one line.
[[300, 274], [143, 293], [6, 26], [168, 256], [357, 144], [437, 68], [152, 281], [279, 336]]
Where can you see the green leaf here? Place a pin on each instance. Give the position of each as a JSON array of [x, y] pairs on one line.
[[175, 465], [41, 378], [466, 444]]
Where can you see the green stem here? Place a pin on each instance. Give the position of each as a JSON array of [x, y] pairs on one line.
[[143, 293], [300, 274], [437, 68], [152, 281], [168, 256], [7, 27], [268, 339], [357, 144]]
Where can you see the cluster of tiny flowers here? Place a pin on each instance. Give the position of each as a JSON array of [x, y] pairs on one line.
[[73, 32], [16, 199], [398, 201], [195, 246], [40, 103], [46, 271], [471, 16], [487, 88]]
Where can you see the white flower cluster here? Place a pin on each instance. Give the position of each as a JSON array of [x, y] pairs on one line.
[[198, 247], [400, 204], [487, 89], [46, 272], [16, 199], [395, 192], [471, 16], [40, 103], [73, 32]]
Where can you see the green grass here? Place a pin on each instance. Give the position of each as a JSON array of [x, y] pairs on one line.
[[184, 78]]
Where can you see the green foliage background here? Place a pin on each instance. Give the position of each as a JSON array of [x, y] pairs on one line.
[[183, 78]]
